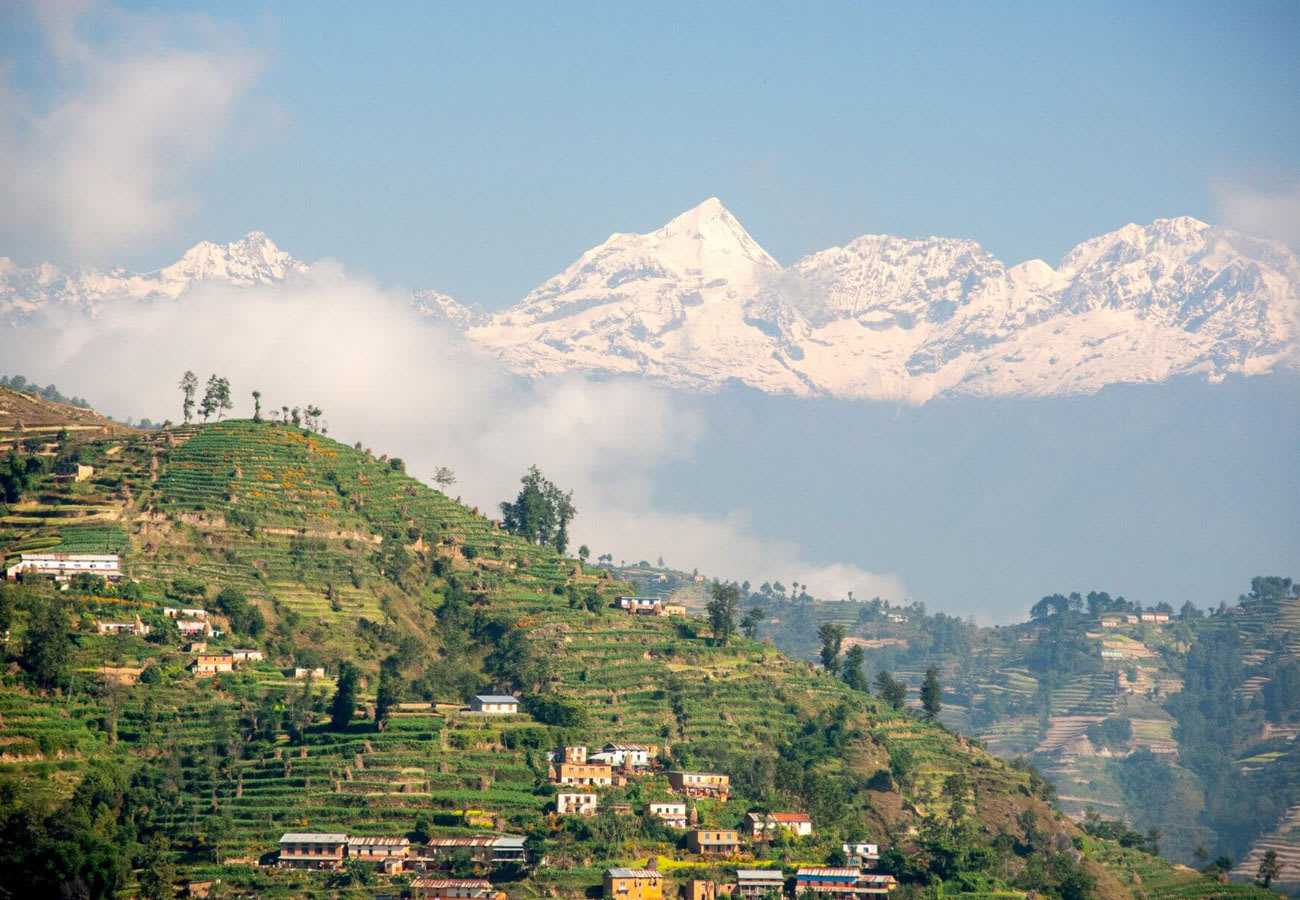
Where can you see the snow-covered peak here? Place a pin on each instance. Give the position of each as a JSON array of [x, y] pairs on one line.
[[253, 259], [250, 260], [441, 307], [698, 303]]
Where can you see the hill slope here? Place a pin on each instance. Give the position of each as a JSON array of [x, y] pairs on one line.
[[318, 554]]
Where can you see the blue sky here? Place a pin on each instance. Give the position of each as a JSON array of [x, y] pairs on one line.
[[478, 150]]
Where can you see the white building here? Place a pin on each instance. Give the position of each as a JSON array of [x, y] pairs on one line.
[[62, 566], [862, 854], [671, 814], [567, 804], [495, 704], [247, 655], [618, 754]]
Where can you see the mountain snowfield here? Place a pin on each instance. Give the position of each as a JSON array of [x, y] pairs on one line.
[[700, 304]]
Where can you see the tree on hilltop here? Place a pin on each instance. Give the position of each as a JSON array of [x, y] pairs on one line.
[[722, 610], [216, 397], [188, 385], [257, 406], [541, 512], [444, 477]]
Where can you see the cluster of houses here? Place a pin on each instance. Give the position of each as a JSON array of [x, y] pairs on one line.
[[650, 606], [1119, 620], [63, 566], [831, 882]]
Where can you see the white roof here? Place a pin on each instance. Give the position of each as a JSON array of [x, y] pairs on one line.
[[313, 837], [495, 698], [760, 874], [71, 557], [633, 873]]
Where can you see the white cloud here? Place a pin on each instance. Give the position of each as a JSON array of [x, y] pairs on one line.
[[404, 386], [1271, 213], [106, 160]]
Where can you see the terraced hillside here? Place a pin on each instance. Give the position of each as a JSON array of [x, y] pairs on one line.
[[1095, 697], [316, 554]]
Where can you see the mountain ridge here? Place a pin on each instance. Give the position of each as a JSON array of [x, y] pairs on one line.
[[699, 304]]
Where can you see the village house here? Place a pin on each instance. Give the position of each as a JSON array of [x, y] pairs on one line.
[[671, 814], [481, 848], [211, 664], [137, 627], [301, 673], [576, 804], [194, 627], [637, 756], [876, 884], [713, 841], [388, 853], [576, 755], [633, 884], [652, 606], [494, 704], [1155, 618], [841, 883], [674, 609], [477, 847], [312, 850], [246, 655], [699, 889], [173, 612], [1112, 653], [700, 784], [62, 566], [584, 774], [427, 888], [862, 854], [83, 473], [758, 884], [196, 647], [762, 826]]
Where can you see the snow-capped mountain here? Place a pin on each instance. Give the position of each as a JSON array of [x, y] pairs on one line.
[[440, 307], [699, 303], [252, 260]]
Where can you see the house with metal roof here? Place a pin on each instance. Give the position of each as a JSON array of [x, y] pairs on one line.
[[495, 704]]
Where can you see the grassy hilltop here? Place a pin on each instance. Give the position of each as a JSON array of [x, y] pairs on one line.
[[320, 554]]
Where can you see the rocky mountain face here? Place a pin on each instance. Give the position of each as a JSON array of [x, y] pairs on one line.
[[699, 304]]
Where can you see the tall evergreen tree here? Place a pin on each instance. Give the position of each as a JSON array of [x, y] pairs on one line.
[[47, 647], [345, 697], [389, 693], [891, 690], [832, 638], [931, 693], [722, 610]]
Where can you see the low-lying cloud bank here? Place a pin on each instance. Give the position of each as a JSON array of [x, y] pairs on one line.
[[403, 385]]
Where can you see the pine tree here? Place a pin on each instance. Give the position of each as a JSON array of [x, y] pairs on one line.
[[931, 693], [345, 697]]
